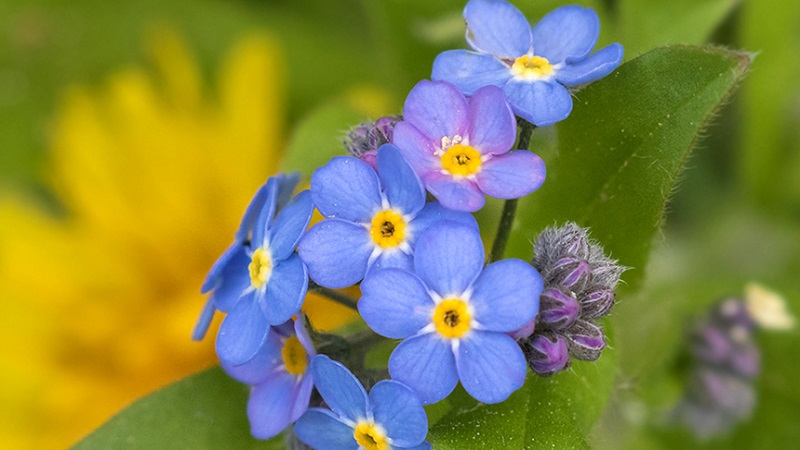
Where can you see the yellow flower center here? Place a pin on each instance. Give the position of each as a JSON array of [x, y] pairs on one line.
[[452, 318], [370, 437], [531, 67], [260, 268], [294, 356], [461, 160], [388, 229]]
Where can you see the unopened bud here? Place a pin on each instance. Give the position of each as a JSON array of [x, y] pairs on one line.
[[596, 303], [570, 272], [586, 341], [557, 310], [364, 139], [547, 353]]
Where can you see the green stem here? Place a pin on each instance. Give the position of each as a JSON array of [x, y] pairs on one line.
[[510, 207], [336, 296]]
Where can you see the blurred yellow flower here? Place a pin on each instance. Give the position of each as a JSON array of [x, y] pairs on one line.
[[154, 176]]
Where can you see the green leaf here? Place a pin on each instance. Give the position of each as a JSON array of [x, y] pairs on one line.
[[621, 151], [204, 411]]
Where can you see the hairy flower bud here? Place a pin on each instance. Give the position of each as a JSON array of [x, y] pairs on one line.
[[364, 139], [586, 341], [596, 303], [558, 310], [574, 273], [547, 353]]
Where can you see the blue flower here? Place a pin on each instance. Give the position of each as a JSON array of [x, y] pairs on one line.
[[390, 417], [280, 379], [532, 66], [260, 281], [373, 218], [460, 147], [454, 316]]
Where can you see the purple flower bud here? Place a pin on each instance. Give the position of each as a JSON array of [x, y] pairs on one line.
[[547, 353], [586, 340], [712, 345], [524, 332], [746, 361], [364, 139], [596, 303], [557, 310], [570, 272]]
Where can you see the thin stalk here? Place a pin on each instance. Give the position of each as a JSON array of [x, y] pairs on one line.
[[336, 296]]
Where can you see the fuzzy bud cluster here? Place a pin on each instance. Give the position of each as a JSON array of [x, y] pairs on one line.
[[364, 140], [579, 283]]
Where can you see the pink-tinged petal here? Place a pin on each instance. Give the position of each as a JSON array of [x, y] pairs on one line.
[[426, 364], [513, 175], [490, 366], [469, 71], [417, 150], [437, 109], [566, 34], [492, 126], [458, 195], [497, 28], [600, 64]]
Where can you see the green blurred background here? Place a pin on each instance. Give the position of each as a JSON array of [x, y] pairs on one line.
[[95, 114]]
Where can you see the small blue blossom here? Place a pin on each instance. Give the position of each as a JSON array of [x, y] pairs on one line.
[[454, 316], [532, 66], [262, 281], [281, 383], [390, 417], [372, 218], [459, 147]]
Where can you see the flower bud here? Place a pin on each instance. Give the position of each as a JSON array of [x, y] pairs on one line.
[[364, 139], [557, 310], [547, 353], [570, 272], [586, 340], [596, 303]]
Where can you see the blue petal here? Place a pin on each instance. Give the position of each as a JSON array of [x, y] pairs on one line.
[[437, 109], [424, 446], [513, 175], [490, 365], [233, 281], [395, 259], [541, 103], [448, 258], [566, 34], [214, 275], [242, 332], [506, 295], [204, 321], [252, 212], [339, 388], [270, 406], [395, 303], [433, 213], [497, 28], [289, 226], [286, 290], [346, 188], [262, 366], [336, 252], [303, 337], [401, 185], [264, 214], [493, 127], [398, 410], [286, 185], [458, 194], [600, 64], [469, 71], [426, 364], [417, 150], [301, 396], [321, 430]]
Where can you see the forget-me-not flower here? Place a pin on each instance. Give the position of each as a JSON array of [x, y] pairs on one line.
[[459, 147], [280, 380], [390, 417], [372, 218], [453, 316], [533, 66]]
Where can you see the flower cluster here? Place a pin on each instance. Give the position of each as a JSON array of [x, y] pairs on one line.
[[420, 263]]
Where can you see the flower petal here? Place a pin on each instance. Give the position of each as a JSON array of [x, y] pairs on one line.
[[448, 258], [233, 280], [265, 197], [513, 175], [286, 185], [269, 407], [506, 295], [400, 184], [215, 274], [242, 332], [395, 303], [490, 365], [204, 321], [319, 428], [286, 290], [457, 194], [336, 252], [301, 397], [339, 388], [433, 213], [264, 214], [469, 71], [541, 103], [437, 109], [426, 364], [394, 258], [346, 188], [497, 28], [417, 150], [289, 226], [566, 34], [398, 410], [262, 366], [600, 64], [492, 126]]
